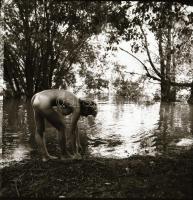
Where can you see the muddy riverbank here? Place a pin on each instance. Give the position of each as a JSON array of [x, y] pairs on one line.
[[134, 177]]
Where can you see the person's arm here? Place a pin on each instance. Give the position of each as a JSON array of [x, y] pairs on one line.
[[72, 129]]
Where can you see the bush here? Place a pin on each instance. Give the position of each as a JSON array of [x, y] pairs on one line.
[[129, 89]]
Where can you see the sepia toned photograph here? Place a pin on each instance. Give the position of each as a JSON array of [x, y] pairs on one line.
[[96, 99]]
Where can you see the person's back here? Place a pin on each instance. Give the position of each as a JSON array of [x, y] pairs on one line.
[[54, 96]]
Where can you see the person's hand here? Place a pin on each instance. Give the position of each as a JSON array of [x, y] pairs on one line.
[[66, 111]]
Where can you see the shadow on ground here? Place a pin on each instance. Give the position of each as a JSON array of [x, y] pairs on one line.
[[135, 177]]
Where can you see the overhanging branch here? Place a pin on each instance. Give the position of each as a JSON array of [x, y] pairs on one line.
[[158, 79], [145, 67]]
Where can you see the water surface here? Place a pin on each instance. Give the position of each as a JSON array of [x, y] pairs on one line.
[[120, 129]]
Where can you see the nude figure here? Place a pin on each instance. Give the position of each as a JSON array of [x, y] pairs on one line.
[[68, 103]]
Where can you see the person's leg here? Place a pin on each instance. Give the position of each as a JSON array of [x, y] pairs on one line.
[[55, 119], [76, 143], [39, 135]]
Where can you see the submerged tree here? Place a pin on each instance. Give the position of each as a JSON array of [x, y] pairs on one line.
[[170, 26]]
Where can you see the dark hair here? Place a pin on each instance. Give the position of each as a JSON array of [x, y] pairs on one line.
[[88, 107]]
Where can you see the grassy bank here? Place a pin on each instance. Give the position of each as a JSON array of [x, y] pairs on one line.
[[134, 177]]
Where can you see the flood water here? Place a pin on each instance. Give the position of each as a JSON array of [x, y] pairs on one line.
[[121, 129]]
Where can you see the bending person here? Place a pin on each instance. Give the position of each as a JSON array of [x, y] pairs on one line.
[[43, 103]]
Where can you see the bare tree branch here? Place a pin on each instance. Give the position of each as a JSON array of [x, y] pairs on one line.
[[145, 67], [158, 79], [148, 53], [132, 73]]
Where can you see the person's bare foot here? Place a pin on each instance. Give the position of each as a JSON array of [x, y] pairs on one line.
[[66, 156], [80, 149], [48, 157], [77, 156]]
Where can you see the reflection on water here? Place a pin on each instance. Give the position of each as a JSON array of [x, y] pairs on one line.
[[17, 127], [153, 129], [120, 129]]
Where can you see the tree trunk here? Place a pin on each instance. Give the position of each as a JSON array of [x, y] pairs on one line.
[[165, 92], [170, 92], [167, 62], [173, 77], [29, 71], [190, 100]]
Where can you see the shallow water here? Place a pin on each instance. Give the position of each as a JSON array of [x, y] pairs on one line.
[[120, 129]]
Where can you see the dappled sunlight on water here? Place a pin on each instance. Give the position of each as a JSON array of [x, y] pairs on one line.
[[120, 129], [125, 123]]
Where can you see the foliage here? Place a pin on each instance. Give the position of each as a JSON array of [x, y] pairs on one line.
[[170, 24], [95, 83], [44, 40], [124, 87], [128, 88], [93, 70]]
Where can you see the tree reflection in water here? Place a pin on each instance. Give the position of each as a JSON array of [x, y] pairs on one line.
[[175, 123]]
